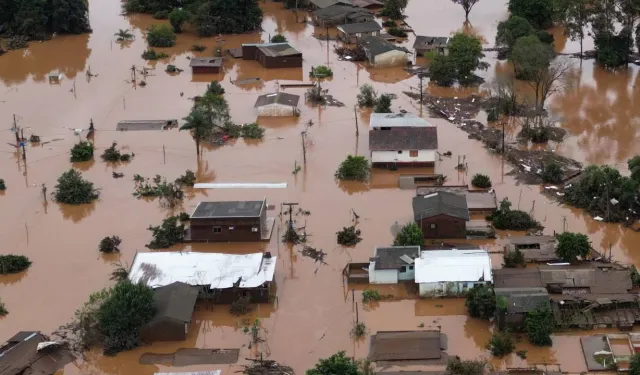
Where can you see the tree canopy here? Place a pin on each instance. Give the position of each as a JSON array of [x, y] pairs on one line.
[[539, 13], [383, 104], [530, 57], [467, 5], [572, 245], [481, 302], [539, 325], [353, 168], [409, 235], [465, 54], [227, 17], [634, 365], [394, 9], [13, 263], [511, 30], [161, 36], [338, 363], [507, 219], [73, 189], [35, 19]]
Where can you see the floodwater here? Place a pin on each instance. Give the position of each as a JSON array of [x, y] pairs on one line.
[[314, 310]]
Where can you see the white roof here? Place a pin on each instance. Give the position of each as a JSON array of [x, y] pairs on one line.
[[378, 120], [220, 271], [452, 266]]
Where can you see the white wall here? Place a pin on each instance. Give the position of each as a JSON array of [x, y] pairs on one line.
[[382, 276], [391, 58], [442, 288], [404, 157], [276, 110]]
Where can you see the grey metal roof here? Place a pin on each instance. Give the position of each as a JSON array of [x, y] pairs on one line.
[[404, 138], [367, 3], [337, 10], [361, 27], [206, 210], [406, 345], [378, 120], [517, 278], [278, 49], [375, 45], [205, 62], [328, 3], [277, 97], [430, 41], [145, 124], [523, 300], [390, 258], [440, 203], [175, 301]]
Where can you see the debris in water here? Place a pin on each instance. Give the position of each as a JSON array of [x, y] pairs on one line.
[[349, 236], [317, 255], [246, 81], [266, 367], [117, 175]]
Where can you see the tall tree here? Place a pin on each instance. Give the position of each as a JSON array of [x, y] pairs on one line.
[[546, 80], [530, 56], [539, 13], [465, 52], [572, 245], [467, 5], [576, 20], [511, 30], [227, 17], [200, 125], [394, 9]]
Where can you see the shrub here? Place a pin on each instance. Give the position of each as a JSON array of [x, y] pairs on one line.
[[481, 181], [537, 134], [183, 216], [109, 244], [359, 330], [321, 71], [493, 115], [383, 104], [240, 306], [353, 168], [545, 37], [514, 259], [17, 42], [397, 32], [278, 38], [73, 189], [82, 151], [161, 15], [198, 47], [456, 366], [552, 173], [252, 131], [167, 234], [177, 18], [187, 179], [161, 36], [348, 236], [539, 325], [171, 69], [481, 302], [214, 88], [442, 71], [369, 295], [634, 364], [572, 245], [3, 186], [111, 154], [151, 54], [3, 310], [367, 96], [338, 363], [13, 264], [168, 192], [389, 23], [409, 235], [501, 344], [507, 219]]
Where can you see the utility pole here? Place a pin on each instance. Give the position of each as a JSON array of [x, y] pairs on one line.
[[355, 114], [15, 129], [421, 94], [290, 212], [24, 150], [304, 147], [164, 156], [503, 138]]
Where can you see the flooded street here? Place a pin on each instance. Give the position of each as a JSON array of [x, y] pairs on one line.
[[314, 310]]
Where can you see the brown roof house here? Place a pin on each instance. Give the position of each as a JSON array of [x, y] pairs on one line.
[[352, 32], [381, 53], [407, 346], [174, 307], [395, 145], [426, 44], [32, 353], [534, 248], [205, 65], [441, 214], [339, 15], [392, 264], [273, 55], [278, 104], [230, 221], [513, 305]]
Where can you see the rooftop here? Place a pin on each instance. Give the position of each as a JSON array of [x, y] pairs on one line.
[[379, 120], [337, 10], [24, 354], [176, 301], [430, 41], [223, 209], [145, 124], [376, 45], [394, 257], [219, 271], [534, 248], [406, 345], [476, 200], [401, 138], [453, 266], [362, 27], [205, 62], [440, 203], [367, 3], [516, 278], [277, 49], [279, 98], [523, 300], [327, 3]]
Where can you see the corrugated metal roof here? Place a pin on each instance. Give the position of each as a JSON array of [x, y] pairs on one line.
[[206, 62], [394, 257], [406, 345], [361, 27], [523, 300], [277, 97], [176, 301], [453, 266], [401, 138], [228, 209], [220, 271], [378, 120], [430, 41], [440, 203]]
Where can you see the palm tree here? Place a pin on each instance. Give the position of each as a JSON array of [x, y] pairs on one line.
[[124, 35], [198, 121]]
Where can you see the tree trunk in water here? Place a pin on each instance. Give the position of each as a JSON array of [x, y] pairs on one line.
[[198, 147], [466, 13]]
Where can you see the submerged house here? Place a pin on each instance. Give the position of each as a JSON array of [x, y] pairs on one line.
[[352, 32], [210, 65], [335, 15], [392, 264], [381, 53], [220, 278], [535, 249], [513, 305], [174, 307], [277, 104], [407, 346], [426, 44], [451, 272], [441, 215], [273, 55], [230, 221], [322, 4], [32, 353]]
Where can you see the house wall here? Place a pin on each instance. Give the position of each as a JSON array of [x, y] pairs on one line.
[[277, 110], [444, 288], [353, 38], [231, 229], [443, 226], [408, 274], [225, 296], [382, 276], [440, 51], [390, 58], [280, 62], [205, 69], [164, 329], [425, 158]]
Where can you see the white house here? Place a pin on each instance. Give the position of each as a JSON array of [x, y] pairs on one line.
[[397, 140], [392, 264], [381, 53], [451, 272], [277, 104]]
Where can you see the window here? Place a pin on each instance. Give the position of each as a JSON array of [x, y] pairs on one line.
[[403, 269], [217, 229], [432, 226], [413, 153], [232, 228], [400, 152], [410, 267], [254, 229]]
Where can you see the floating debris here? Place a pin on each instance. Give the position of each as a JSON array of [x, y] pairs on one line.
[[317, 255]]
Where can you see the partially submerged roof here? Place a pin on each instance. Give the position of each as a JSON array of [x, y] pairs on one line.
[[394, 257], [228, 209], [517, 278], [440, 203], [206, 62], [453, 266], [379, 120], [430, 41], [21, 355], [175, 301], [361, 27], [404, 138], [145, 124], [376, 45], [276, 49], [219, 271], [589, 278], [277, 98], [337, 10], [476, 200], [523, 300], [530, 240], [328, 3], [406, 346], [367, 3]]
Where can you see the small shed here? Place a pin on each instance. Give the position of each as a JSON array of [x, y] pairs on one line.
[[452, 272], [407, 346], [339, 15], [381, 53], [352, 32], [273, 55], [230, 221], [207, 65], [425, 44], [392, 264], [441, 214], [174, 307], [403, 146], [277, 104], [515, 303]]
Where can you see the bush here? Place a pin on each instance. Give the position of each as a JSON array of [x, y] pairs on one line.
[[501, 344], [539, 325], [111, 154], [338, 363], [389, 23], [535, 134], [409, 235], [367, 96], [572, 245], [187, 179], [198, 48], [167, 234], [3, 309], [13, 264], [168, 192], [538, 12], [369, 295], [161, 36], [545, 37], [514, 259], [278, 38], [442, 71], [214, 88], [177, 18], [151, 54], [82, 151], [348, 236], [161, 15], [73, 189], [321, 71], [109, 244], [171, 69], [3, 186], [481, 302], [493, 115], [397, 32], [353, 168], [240, 306], [17, 42], [221, 17], [634, 364], [359, 330], [383, 104], [252, 131], [552, 173], [183, 216], [507, 219], [456, 366], [481, 181]]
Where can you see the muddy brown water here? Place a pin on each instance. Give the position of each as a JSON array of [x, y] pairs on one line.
[[314, 311]]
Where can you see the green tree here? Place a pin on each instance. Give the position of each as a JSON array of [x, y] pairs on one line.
[[69, 16], [73, 189], [227, 17], [552, 173], [634, 167], [278, 38], [481, 302], [383, 104], [337, 364], [572, 245], [511, 30], [539, 325], [514, 259], [353, 168], [127, 308], [530, 57], [507, 219], [13, 264], [467, 5], [576, 19], [465, 53], [34, 19], [161, 36], [394, 9], [367, 96], [634, 365], [409, 235], [501, 344], [167, 234], [123, 35], [456, 366], [82, 151], [481, 181], [3, 186], [199, 123], [215, 88], [442, 71], [538, 12], [177, 18]]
